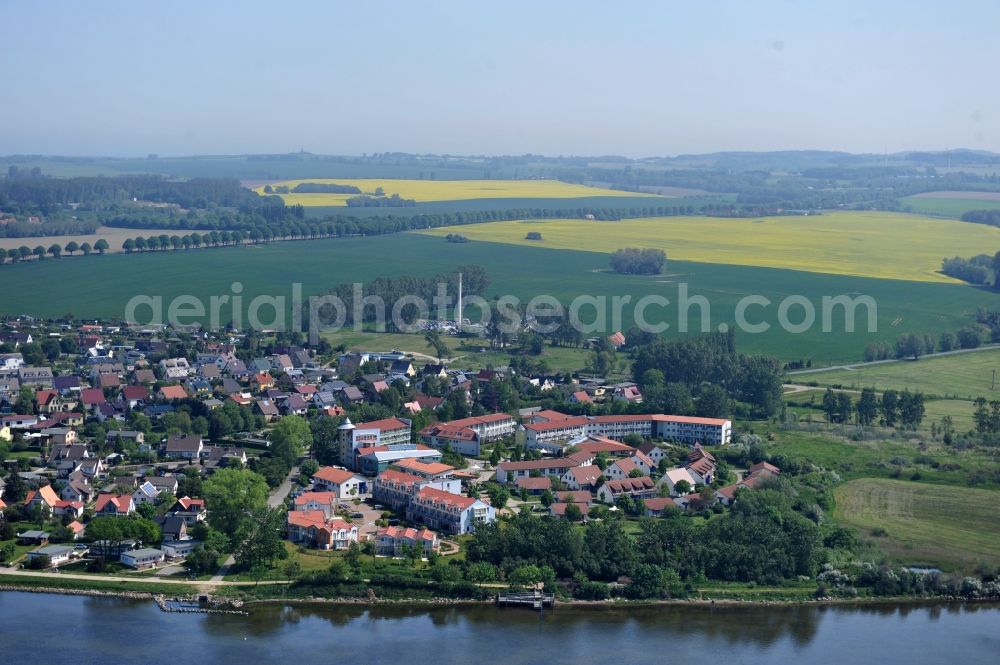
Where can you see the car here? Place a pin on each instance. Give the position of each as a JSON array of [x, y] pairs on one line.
[[378, 507], [358, 516], [393, 521]]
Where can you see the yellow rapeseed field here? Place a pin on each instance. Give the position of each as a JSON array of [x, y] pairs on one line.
[[448, 190], [866, 244]]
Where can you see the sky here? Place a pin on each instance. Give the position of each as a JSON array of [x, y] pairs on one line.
[[547, 77]]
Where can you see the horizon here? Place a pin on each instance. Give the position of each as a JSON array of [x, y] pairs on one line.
[[447, 78]]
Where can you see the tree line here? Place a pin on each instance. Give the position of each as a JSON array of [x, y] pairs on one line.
[[25, 253], [893, 409]]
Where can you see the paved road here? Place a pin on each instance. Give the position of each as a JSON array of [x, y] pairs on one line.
[[274, 500], [816, 370]]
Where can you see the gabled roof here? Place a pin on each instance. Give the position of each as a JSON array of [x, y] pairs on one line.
[[45, 493], [92, 396], [332, 474], [121, 503], [585, 475], [630, 484], [173, 392], [440, 496]]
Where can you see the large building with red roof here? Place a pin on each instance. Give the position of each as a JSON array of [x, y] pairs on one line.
[[465, 436], [551, 430], [447, 512]]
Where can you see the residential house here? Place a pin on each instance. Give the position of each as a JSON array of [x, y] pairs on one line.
[[674, 476], [192, 510], [44, 497], [509, 472], [142, 559], [175, 369], [170, 393], [55, 555], [312, 501], [36, 377], [341, 482], [395, 541], [184, 447], [112, 504], [582, 477], [145, 493], [636, 488], [314, 528]]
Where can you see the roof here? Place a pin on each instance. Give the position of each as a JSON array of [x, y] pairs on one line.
[[573, 421], [187, 503], [630, 484], [173, 392], [582, 396], [46, 493], [560, 508], [600, 444], [531, 465], [398, 477], [384, 424], [679, 474], [577, 496], [764, 466], [184, 444], [135, 392], [327, 498], [120, 503], [408, 533], [585, 474], [688, 419], [92, 396], [432, 468], [539, 483], [659, 503], [332, 474], [440, 496]]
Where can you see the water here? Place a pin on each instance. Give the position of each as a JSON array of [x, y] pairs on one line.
[[53, 629]]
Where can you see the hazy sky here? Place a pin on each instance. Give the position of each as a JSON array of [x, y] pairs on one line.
[[633, 78]]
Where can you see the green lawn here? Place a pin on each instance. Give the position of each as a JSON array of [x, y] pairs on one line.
[[110, 281], [952, 528], [965, 376]]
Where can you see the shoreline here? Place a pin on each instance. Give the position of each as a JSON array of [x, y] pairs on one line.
[[236, 606]]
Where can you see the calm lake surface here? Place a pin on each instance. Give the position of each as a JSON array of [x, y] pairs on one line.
[[38, 628]]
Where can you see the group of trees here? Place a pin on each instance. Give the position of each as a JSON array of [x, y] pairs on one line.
[[710, 359], [976, 270], [765, 538], [382, 292], [989, 217], [368, 201], [987, 417], [893, 409], [634, 261]]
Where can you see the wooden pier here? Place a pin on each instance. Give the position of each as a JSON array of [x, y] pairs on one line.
[[533, 599]]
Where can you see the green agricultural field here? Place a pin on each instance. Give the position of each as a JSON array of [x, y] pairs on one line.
[[100, 286], [866, 244], [449, 190], [953, 528], [964, 375], [947, 207]]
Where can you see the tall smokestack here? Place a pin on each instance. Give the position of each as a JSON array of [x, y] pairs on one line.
[[458, 307]]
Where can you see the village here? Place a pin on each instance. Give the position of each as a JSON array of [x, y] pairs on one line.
[[118, 422]]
